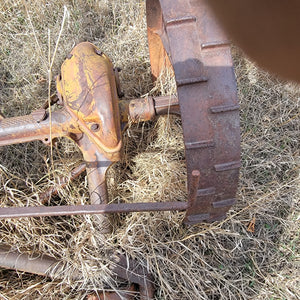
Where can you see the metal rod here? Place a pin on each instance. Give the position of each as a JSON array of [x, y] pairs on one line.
[[166, 105], [35, 263], [67, 210], [144, 109], [194, 184], [35, 126]]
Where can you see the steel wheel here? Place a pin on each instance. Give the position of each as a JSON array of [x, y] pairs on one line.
[[187, 33]]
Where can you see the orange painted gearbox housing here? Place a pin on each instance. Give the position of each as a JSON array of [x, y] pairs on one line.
[[87, 87]]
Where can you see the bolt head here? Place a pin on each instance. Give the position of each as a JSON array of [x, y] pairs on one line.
[[95, 127]]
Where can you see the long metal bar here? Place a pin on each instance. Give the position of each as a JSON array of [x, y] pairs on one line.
[[36, 264], [67, 210], [33, 127]]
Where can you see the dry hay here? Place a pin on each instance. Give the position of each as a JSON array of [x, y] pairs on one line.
[[217, 261]]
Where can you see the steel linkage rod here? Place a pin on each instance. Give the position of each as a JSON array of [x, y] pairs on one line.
[[36, 264], [67, 210]]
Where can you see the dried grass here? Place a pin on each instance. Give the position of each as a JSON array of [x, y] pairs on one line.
[[217, 261]]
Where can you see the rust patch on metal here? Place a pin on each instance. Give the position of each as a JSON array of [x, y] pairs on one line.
[[36, 264], [193, 187], [195, 219], [203, 71], [85, 77], [141, 109], [224, 203], [88, 90], [96, 208], [228, 166], [200, 144], [131, 271], [121, 266], [144, 109], [39, 115], [178, 21], [166, 105], [206, 192], [224, 108], [157, 50], [214, 44], [187, 81]]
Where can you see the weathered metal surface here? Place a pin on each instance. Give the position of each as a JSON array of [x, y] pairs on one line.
[[131, 271], [87, 90], [87, 86], [164, 105], [158, 55], [200, 55], [193, 188], [39, 115], [65, 210], [118, 84], [144, 109], [36, 264], [121, 266], [141, 109], [90, 117], [27, 128]]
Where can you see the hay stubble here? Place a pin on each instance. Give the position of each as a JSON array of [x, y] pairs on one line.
[[217, 261]]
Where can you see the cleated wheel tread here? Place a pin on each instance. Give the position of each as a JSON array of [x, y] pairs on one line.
[[200, 55]]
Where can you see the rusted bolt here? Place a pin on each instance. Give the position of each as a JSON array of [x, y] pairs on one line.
[[99, 52], [95, 127]]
